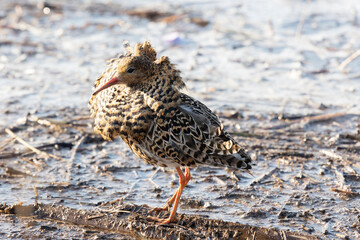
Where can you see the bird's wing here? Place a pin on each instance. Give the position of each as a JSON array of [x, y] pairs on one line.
[[193, 135]]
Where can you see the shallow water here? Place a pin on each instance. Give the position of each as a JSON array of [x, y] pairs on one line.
[[255, 57]]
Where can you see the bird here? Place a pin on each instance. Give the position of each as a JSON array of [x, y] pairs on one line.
[[139, 97]]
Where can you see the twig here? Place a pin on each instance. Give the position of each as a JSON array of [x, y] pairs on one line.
[[344, 191], [131, 188], [20, 140], [6, 143], [12, 171], [219, 181], [19, 203], [73, 154], [348, 60], [136, 174], [155, 173], [79, 118], [94, 217], [314, 180], [60, 124], [334, 155], [271, 27], [308, 120], [321, 118], [65, 184], [301, 21], [278, 179], [114, 211], [36, 194], [26, 152], [95, 189], [35, 150], [266, 175], [38, 166], [234, 177], [154, 183]]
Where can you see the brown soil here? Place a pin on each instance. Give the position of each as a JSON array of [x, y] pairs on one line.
[[133, 221]]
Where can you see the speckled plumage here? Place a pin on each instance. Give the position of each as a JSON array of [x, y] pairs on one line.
[[161, 125]]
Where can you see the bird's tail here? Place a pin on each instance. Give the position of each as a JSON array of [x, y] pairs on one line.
[[239, 160]]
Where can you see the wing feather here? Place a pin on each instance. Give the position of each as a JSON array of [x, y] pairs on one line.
[[195, 136]]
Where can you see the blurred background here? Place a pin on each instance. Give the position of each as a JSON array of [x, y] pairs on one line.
[[252, 62], [278, 56]]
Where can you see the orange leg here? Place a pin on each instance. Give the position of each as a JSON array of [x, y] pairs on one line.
[[183, 180], [171, 200], [187, 175]]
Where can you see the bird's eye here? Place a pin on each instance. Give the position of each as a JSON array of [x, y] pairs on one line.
[[130, 70]]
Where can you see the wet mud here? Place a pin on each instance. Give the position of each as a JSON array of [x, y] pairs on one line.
[[132, 220], [283, 77], [305, 184]]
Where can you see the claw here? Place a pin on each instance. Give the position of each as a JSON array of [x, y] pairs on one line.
[[165, 208], [162, 221], [183, 180]]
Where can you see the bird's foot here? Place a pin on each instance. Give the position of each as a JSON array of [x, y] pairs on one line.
[[166, 208], [162, 221]]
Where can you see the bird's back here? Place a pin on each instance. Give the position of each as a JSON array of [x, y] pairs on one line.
[[159, 123], [191, 134]]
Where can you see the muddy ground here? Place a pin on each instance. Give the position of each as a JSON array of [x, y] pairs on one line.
[[284, 78]]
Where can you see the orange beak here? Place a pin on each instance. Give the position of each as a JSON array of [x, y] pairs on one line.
[[113, 81]]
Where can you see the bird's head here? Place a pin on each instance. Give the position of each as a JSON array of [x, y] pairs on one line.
[[131, 71], [133, 68]]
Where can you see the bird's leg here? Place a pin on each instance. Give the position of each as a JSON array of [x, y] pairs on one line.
[[187, 175], [171, 200], [183, 180], [167, 205]]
